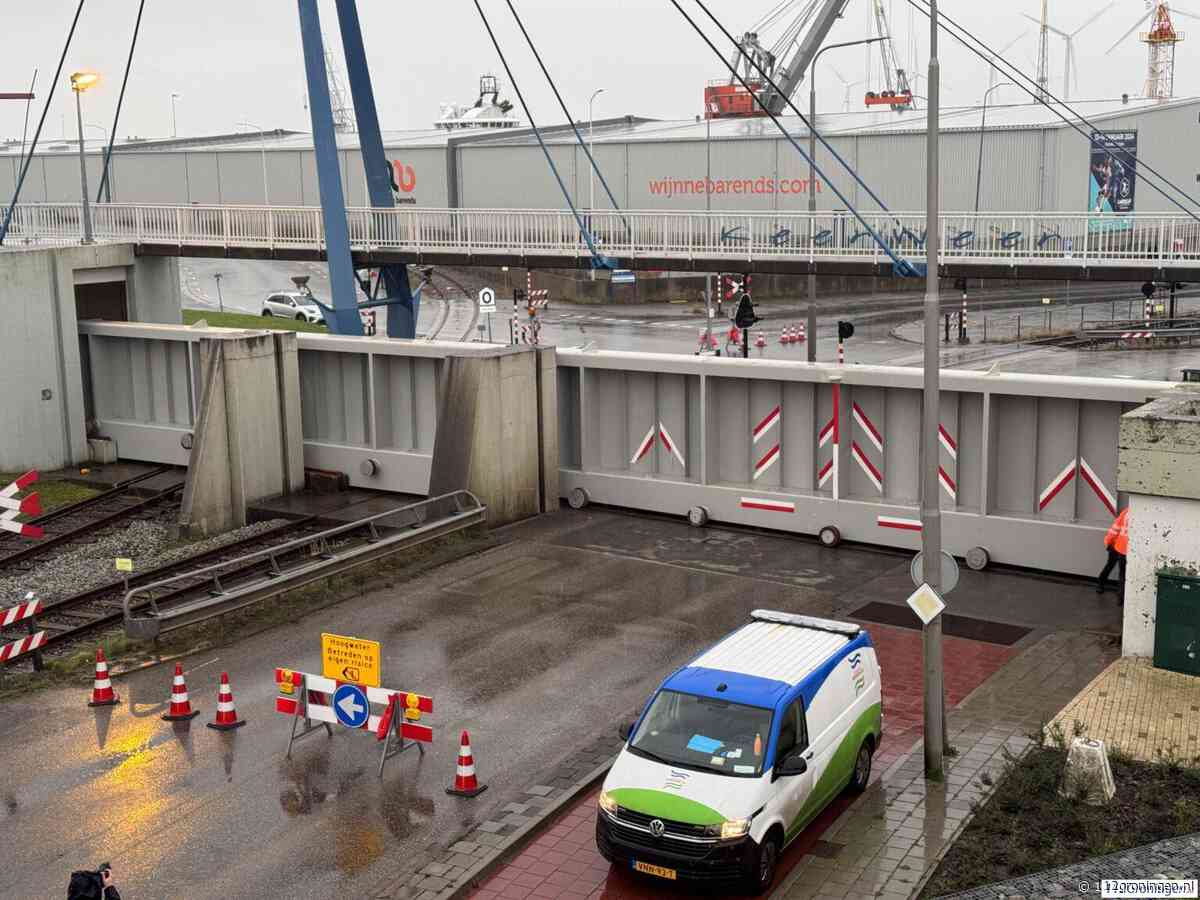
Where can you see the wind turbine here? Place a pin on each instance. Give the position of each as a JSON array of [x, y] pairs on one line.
[[1069, 67], [992, 65], [847, 85]]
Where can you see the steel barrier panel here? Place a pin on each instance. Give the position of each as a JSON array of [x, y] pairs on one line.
[[1011, 450], [568, 418]]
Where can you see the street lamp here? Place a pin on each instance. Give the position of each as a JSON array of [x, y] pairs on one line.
[[174, 121], [811, 327], [262, 142], [80, 82], [982, 126], [591, 168]]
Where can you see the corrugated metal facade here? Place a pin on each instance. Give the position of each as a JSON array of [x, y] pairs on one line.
[[666, 166]]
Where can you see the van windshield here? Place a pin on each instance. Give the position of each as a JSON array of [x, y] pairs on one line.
[[703, 733]]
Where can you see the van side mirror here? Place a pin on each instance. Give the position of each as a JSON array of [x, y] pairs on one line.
[[625, 730], [794, 764]]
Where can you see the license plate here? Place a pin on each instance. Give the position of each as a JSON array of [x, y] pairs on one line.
[[660, 871]]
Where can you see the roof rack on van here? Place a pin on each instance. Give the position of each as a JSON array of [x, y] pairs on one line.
[[781, 618]]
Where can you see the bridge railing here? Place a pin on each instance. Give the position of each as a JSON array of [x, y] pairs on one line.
[[1075, 238]]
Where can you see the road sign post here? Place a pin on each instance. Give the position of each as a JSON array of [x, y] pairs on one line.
[[487, 307]]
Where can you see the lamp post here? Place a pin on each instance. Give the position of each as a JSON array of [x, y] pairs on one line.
[[80, 82], [931, 515], [982, 126], [262, 143], [107, 183], [591, 169], [811, 327], [174, 122], [220, 299]]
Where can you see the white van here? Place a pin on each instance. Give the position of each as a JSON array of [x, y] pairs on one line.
[[741, 748]]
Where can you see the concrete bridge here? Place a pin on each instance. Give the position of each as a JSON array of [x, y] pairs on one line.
[[1074, 246]]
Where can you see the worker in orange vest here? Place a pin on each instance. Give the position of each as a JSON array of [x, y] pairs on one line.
[[1116, 541]]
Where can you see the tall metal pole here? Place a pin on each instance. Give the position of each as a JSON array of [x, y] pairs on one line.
[[982, 128], [87, 211], [591, 170], [811, 326], [931, 517]]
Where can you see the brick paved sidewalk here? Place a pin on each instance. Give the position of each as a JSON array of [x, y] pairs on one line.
[[889, 843], [1174, 858]]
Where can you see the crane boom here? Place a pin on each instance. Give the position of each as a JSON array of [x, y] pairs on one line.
[[790, 75], [897, 94]]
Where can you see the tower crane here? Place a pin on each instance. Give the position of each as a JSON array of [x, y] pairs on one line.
[[896, 93], [785, 62], [1160, 39]]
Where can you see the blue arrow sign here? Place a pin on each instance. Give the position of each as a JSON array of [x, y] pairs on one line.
[[350, 706]]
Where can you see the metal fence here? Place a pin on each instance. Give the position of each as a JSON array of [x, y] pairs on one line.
[[1076, 239]]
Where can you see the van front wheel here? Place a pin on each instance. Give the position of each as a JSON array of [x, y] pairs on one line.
[[862, 769], [763, 873]]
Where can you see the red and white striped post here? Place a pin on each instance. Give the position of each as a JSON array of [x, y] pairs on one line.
[[841, 351]]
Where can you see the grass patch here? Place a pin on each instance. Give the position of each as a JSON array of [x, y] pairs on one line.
[[77, 668], [53, 492], [247, 320], [1026, 826]]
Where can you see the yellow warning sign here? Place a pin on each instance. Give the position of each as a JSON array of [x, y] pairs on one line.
[[350, 659], [124, 565]]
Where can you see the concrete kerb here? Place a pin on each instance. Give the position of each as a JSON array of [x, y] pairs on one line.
[[516, 841]]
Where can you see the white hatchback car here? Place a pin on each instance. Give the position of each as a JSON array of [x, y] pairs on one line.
[[293, 305]]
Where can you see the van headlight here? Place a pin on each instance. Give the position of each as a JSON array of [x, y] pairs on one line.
[[607, 803], [734, 828]]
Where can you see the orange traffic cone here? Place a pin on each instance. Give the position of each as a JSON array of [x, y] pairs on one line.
[[227, 719], [465, 782], [181, 708], [102, 689]]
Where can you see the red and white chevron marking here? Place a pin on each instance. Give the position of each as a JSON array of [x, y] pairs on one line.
[[900, 523], [670, 444], [29, 504], [1136, 334], [769, 421], [24, 645], [1060, 481], [826, 434], [867, 466], [644, 447], [21, 611], [864, 422], [1098, 486], [947, 442], [19, 484], [947, 483], [826, 472], [768, 505], [767, 460], [8, 522]]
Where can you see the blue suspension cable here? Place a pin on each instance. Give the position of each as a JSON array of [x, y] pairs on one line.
[[112, 135], [900, 265], [567, 113], [42, 121], [803, 118], [598, 261]]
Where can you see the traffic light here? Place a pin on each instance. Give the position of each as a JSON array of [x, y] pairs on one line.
[[1148, 289], [961, 285], [745, 317], [845, 331]]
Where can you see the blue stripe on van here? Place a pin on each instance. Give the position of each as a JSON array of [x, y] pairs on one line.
[[749, 690]]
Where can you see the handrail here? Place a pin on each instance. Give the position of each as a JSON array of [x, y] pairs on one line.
[[462, 501]]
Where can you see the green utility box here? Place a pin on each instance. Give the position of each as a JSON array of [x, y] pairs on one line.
[[1177, 624]]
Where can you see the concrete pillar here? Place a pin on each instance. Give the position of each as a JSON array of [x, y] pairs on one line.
[[1159, 468], [247, 444], [496, 434]]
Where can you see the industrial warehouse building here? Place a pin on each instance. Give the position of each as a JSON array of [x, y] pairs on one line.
[[1028, 160]]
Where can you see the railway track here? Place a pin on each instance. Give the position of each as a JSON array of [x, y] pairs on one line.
[[70, 619], [79, 522]]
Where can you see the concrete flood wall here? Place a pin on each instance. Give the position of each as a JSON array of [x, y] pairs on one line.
[[43, 363], [1028, 463]]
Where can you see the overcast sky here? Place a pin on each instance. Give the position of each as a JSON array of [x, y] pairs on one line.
[[240, 60]]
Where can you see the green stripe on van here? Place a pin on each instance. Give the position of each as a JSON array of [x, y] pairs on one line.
[[840, 769], [666, 806]]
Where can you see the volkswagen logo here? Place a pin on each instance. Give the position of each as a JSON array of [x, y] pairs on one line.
[[657, 827]]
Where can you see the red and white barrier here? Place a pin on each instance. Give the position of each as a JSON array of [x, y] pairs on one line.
[[26, 644], [13, 507], [768, 505], [25, 610], [319, 705], [899, 522]]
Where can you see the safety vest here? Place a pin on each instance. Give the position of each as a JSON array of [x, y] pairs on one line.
[[1118, 533]]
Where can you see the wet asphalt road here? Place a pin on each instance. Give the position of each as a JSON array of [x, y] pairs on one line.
[[536, 646]]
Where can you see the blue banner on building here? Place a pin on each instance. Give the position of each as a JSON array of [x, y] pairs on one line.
[[1112, 180]]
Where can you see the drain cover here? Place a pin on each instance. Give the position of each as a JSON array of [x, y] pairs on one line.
[[955, 626]]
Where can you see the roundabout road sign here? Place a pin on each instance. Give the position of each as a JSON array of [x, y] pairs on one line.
[[350, 706]]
